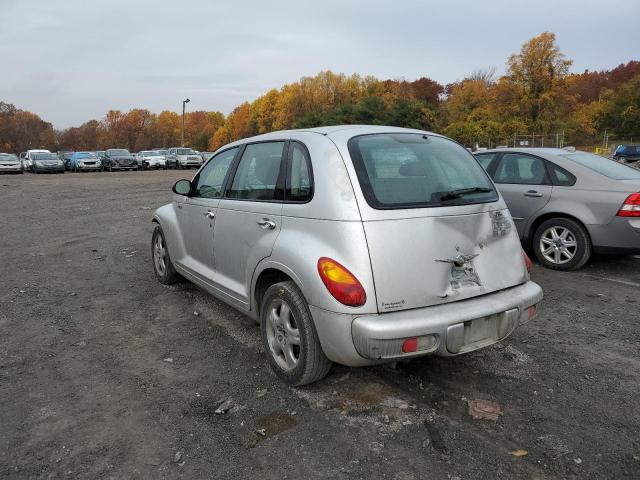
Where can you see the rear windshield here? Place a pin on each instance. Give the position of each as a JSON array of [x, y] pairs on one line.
[[604, 166], [407, 170]]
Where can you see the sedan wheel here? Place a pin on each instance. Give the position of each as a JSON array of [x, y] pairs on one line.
[[289, 336], [562, 244], [558, 245]]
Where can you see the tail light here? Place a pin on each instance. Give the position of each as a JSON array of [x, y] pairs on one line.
[[631, 206], [341, 283], [527, 261]]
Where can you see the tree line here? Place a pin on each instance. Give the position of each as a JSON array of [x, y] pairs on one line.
[[537, 95]]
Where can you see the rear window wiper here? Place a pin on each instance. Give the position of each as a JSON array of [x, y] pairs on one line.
[[453, 194]]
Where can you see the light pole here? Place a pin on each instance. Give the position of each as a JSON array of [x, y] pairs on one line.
[[184, 102]]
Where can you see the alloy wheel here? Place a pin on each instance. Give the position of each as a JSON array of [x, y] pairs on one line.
[[160, 255], [558, 245], [283, 336]]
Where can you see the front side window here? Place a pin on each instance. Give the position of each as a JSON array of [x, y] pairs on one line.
[[516, 168], [299, 182], [210, 182], [259, 173], [407, 170]]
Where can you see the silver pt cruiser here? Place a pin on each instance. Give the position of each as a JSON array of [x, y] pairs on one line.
[[350, 244]]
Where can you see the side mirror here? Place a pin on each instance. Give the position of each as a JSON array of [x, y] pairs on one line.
[[182, 187]]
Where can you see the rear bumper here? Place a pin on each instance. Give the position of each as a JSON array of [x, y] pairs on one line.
[[451, 329], [622, 235]]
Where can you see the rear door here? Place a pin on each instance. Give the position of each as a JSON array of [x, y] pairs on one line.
[[249, 218], [197, 213], [524, 184]]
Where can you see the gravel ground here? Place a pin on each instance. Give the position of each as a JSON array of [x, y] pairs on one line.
[[104, 373]]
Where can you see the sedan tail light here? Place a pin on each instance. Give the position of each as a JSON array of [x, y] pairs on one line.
[[527, 261], [341, 283], [631, 206]]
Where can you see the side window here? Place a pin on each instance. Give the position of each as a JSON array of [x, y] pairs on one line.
[[211, 178], [520, 169], [485, 159], [258, 176], [299, 187], [560, 176]]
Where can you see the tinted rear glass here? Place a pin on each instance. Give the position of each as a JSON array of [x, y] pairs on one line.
[[409, 170], [604, 166]]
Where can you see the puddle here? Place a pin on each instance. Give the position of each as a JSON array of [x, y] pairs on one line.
[[274, 423]]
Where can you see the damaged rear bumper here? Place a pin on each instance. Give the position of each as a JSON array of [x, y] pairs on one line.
[[448, 329]]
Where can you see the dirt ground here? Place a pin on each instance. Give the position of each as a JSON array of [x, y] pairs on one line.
[[104, 373]]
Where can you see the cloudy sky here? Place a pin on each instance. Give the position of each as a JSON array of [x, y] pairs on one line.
[[71, 60]]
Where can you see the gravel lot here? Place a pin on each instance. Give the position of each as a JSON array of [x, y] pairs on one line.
[[104, 373]]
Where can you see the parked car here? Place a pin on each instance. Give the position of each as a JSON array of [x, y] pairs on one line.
[[85, 161], [118, 159], [568, 204], [10, 163], [307, 221], [627, 154], [151, 159], [27, 161], [178, 157], [44, 161], [66, 158]]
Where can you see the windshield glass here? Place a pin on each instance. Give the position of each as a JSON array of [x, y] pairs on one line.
[[86, 155], [185, 151], [119, 151], [44, 156], [406, 170], [151, 153], [604, 166], [162, 152], [8, 157]]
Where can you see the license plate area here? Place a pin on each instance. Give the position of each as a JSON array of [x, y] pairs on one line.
[[477, 333]]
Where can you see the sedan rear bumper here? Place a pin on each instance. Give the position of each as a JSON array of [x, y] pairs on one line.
[[622, 235], [446, 330]]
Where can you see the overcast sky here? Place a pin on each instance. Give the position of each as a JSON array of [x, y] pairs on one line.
[[71, 60]]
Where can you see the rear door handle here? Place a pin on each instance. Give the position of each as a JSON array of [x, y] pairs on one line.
[[267, 224], [532, 193], [209, 214]]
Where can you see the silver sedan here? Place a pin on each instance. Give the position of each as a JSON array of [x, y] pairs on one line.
[[10, 163], [567, 204]]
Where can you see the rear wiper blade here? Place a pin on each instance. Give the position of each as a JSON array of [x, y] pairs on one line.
[[453, 194]]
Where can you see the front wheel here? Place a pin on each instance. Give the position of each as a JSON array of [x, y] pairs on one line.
[[162, 264], [289, 336], [562, 244]]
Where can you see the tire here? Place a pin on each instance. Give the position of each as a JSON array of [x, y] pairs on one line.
[[574, 245], [162, 264], [296, 364]]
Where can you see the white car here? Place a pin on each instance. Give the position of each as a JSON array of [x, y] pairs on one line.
[[10, 163], [151, 159], [181, 157]]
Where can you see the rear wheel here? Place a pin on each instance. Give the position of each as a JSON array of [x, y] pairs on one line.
[[289, 336], [562, 244], [162, 264]]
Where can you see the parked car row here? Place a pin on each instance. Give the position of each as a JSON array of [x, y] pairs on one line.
[[37, 161]]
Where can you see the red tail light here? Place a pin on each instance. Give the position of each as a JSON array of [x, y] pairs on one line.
[[527, 261], [341, 283], [631, 206]]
